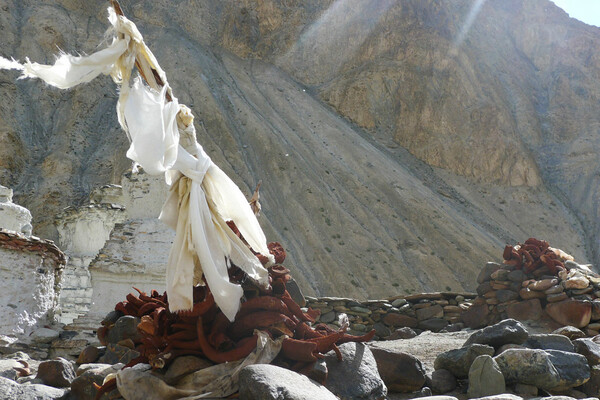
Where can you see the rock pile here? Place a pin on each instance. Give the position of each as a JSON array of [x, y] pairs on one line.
[[570, 298], [396, 317], [506, 358]]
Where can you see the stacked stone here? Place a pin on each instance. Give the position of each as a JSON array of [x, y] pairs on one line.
[[425, 311], [571, 298], [506, 358]]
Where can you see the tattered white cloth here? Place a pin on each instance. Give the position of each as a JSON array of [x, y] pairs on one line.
[[201, 198]]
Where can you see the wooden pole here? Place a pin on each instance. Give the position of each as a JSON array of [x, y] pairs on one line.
[[119, 11]]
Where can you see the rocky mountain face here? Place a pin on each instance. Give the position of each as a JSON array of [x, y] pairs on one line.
[[401, 144]]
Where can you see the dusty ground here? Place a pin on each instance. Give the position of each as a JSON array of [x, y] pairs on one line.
[[425, 347]]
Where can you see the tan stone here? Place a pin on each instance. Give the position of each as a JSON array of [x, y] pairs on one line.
[[527, 293], [400, 320], [435, 311], [576, 313], [543, 284], [525, 310]]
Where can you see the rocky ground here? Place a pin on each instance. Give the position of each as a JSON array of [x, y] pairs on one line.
[[505, 361]]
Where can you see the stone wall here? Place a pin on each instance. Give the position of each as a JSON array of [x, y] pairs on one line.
[[424, 311], [30, 273], [571, 297]]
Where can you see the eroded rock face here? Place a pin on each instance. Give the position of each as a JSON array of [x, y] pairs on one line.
[[268, 94]]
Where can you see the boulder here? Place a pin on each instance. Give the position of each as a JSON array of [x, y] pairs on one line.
[[549, 342], [528, 310], [57, 373], [476, 316], [573, 369], [441, 381], [485, 378], [572, 312], [7, 369], [357, 366], [528, 366], [82, 388], [592, 386], [12, 390], [459, 361], [486, 272], [543, 284], [589, 349], [505, 295], [124, 328], [433, 324], [504, 332], [43, 335], [269, 382], [116, 353], [435, 311], [90, 354], [570, 331], [402, 333], [400, 372], [526, 390], [395, 319]]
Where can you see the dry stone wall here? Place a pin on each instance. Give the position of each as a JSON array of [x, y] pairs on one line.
[[424, 311], [572, 297]]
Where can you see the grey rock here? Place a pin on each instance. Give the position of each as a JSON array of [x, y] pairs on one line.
[[10, 390], [269, 382], [400, 372], [486, 272], [124, 328], [357, 366], [526, 390], [433, 324], [438, 398], [382, 330], [295, 292], [549, 342], [399, 303], [7, 369], [504, 332], [592, 386], [58, 373], [441, 381], [111, 318], [43, 335], [82, 388], [570, 331], [505, 295], [528, 366], [517, 275], [327, 317], [589, 349], [459, 361], [118, 354], [402, 333], [485, 378], [573, 369], [503, 396]]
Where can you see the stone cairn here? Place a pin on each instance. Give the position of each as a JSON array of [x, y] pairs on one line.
[[391, 317], [568, 295]]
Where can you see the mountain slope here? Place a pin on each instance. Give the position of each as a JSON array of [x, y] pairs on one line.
[[391, 161]]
